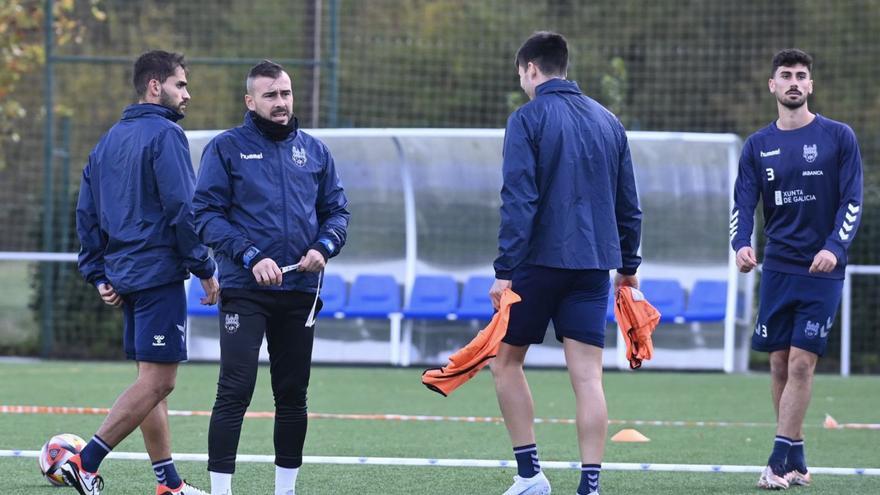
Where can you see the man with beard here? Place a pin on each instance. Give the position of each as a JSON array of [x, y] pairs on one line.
[[808, 172], [135, 222], [270, 204]]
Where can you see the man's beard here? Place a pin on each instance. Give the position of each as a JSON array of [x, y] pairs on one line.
[[791, 105], [275, 112], [166, 101]]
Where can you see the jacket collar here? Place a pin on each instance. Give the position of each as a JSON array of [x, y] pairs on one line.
[[142, 109], [557, 85], [250, 124]]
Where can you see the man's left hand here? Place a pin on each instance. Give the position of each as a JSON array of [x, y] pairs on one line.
[[823, 262], [621, 280], [496, 291], [313, 262]]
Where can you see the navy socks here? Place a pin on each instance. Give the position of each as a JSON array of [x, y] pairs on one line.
[[780, 452], [166, 473], [93, 453], [796, 459], [527, 464], [589, 479]]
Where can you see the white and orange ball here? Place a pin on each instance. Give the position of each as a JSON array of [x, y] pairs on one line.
[[56, 452]]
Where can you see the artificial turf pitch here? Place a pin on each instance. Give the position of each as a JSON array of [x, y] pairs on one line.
[[631, 396]]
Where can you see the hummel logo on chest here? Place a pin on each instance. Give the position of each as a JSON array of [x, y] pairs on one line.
[[765, 154], [252, 156]]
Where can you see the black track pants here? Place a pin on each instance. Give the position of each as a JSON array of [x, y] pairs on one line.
[[245, 316]]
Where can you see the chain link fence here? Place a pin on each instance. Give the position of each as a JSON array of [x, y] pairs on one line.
[[691, 65]]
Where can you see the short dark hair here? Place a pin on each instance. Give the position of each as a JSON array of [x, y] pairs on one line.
[[266, 68], [156, 64], [547, 50], [791, 57]]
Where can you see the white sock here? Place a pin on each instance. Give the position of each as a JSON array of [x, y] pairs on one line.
[[221, 483], [285, 480]]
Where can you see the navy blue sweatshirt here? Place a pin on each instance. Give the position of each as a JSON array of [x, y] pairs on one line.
[[810, 183], [569, 195]]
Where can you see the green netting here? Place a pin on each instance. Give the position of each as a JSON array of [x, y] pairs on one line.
[[690, 65]]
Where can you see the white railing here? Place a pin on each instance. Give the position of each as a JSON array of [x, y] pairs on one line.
[[36, 256], [846, 313], [845, 319]]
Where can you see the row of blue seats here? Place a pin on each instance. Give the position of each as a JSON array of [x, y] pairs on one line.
[[377, 296], [707, 300], [437, 297]]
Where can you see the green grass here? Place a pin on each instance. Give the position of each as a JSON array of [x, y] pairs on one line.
[[651, 396]]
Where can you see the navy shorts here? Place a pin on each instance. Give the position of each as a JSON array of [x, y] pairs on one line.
[[155, 324], [795, 311], [575, 300]]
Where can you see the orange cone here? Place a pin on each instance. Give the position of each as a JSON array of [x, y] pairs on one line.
[[629, 435], [830, 423]]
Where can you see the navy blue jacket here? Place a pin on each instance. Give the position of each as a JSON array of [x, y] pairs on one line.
[[278, 197], [134, 215], [810, 182], [569, 195]]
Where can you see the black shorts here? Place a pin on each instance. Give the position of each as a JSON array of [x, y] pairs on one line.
[[575, 300]]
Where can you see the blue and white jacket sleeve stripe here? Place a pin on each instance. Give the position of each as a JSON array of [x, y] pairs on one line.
[[213, 198], [746, 192], [92, 239], [849, 211]]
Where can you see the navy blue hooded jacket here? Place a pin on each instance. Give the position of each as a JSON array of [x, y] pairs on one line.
[[569, 195], [275, 198], [134, 215], [810, 183]]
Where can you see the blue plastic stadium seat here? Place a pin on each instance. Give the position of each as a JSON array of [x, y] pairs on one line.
[[667, 296], [433, 297], [333, 295], [475, 302], [373, 296], [708, 301], [193, 297]]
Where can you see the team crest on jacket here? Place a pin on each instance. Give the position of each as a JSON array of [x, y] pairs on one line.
[[231, 322], [298, 155], [810, 153]]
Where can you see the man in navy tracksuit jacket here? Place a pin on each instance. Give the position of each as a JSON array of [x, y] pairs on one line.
[[268, 199], [135, 223], [570, 214], [807, 171]]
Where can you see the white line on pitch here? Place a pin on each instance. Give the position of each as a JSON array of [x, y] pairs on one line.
[[484, 463]]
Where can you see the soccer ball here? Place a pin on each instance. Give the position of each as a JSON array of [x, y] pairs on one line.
[[55, 453]]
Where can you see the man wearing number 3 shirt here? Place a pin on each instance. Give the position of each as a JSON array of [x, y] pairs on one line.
[[807, 171], [270, 204]]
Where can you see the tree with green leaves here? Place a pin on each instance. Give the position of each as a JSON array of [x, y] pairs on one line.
[[22, 51]]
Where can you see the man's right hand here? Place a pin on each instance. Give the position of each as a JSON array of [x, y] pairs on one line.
[[266, 272], [496, 290], [745, 259], [109, 295], [212, 290]]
